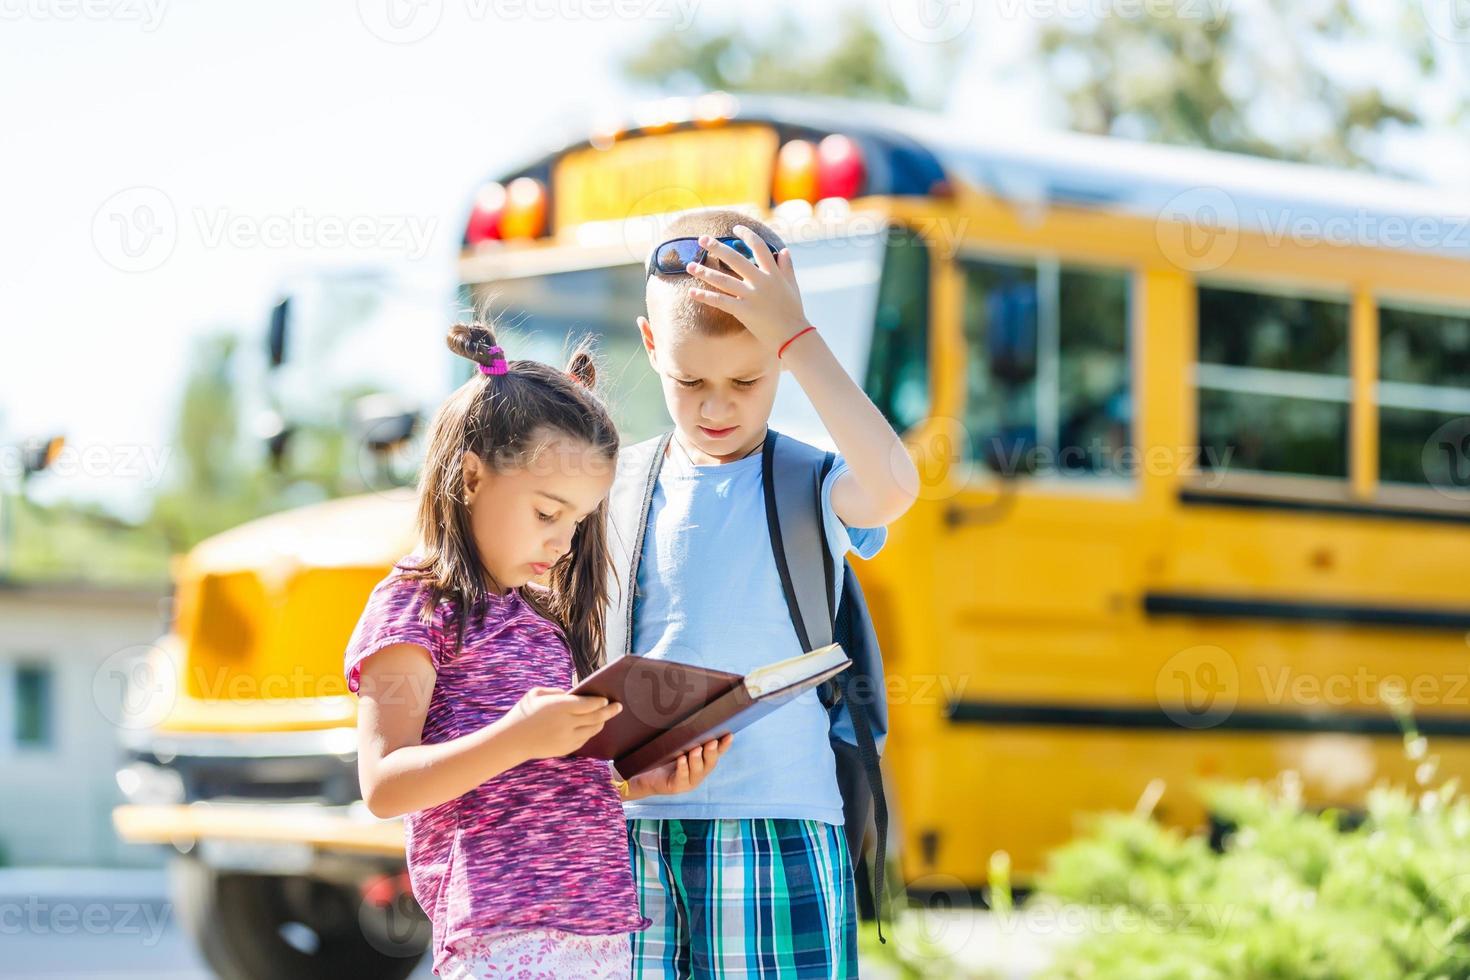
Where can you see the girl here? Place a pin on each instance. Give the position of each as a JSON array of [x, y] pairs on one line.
[[516, 852]]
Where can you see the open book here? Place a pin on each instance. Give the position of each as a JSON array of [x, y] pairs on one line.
[[669, 707]]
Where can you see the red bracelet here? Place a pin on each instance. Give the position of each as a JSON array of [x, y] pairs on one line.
[[792, 340]]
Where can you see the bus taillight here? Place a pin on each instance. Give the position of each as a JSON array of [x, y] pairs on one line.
[[504, 212], [485, 217], [525, 209], [840, 169], [832, 168]]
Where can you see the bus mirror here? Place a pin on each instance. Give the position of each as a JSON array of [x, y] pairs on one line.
[[276, 434], [276, 338], [384, 422]]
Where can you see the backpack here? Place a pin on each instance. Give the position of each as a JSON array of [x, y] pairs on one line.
[[792, 474]]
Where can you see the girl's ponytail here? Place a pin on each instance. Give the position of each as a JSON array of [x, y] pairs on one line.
[[476, 341], [504, 417], [583, 367]]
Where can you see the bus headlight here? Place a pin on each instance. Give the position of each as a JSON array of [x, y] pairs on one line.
[[146, 784]]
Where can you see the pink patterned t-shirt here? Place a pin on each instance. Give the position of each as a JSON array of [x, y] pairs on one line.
[[540, 846]]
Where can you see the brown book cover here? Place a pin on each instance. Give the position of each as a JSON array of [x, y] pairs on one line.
[[670, 707]]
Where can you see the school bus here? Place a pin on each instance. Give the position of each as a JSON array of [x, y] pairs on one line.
[[1194, 437]]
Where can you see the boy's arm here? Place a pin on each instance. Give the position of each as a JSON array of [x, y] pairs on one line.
[[881, 482]]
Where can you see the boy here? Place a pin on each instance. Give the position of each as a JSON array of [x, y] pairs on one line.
[[748, 875]]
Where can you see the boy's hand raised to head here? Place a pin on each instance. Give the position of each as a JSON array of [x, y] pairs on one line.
[[881, 482], [762, 294]]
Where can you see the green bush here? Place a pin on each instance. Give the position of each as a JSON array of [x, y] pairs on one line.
[[1292, 893]]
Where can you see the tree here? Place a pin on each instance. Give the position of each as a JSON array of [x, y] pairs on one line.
[[857, 65], [214, 484], [1251, 79]]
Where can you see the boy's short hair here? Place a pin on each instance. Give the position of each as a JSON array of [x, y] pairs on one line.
[[671, 293]]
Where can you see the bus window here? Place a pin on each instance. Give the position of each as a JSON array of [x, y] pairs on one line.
[[898, 371], [869, 295], [843, 280], [542, 318], [1424, 384], [1047, 378], [1273, 384]]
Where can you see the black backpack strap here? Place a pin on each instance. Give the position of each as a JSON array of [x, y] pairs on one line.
[[627, 515], [798, 540], [791, 473], [867, 749]]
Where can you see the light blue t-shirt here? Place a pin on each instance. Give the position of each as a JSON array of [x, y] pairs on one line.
[[709, 594]]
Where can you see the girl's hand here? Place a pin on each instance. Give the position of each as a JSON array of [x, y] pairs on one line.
[[681, 775], [548, 723], [762, 294]]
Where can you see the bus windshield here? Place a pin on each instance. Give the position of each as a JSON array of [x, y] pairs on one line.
[[543, 316]]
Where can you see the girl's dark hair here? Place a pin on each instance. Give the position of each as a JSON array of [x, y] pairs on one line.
[[507, 419]]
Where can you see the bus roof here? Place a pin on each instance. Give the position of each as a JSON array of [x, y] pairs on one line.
[[1282, 200]]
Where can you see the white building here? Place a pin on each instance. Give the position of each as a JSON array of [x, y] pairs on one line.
[[62, 652]]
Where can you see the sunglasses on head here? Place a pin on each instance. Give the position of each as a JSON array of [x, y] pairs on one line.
[[672, 258]]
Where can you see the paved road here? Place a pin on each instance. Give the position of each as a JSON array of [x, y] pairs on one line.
[[120, 925], [103, 924]]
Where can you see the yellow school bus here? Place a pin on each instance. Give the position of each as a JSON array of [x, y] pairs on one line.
[[1194, 434]]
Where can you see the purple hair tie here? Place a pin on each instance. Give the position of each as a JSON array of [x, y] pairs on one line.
[[498, 365]]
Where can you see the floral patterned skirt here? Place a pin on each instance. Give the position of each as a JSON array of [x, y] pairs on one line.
[[539, 954]]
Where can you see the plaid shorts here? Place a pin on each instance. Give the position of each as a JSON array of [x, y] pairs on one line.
[[743, 898]]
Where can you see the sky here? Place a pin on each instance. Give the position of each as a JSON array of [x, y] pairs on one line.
[[171, 165]]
